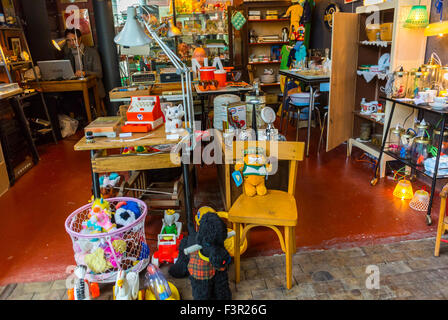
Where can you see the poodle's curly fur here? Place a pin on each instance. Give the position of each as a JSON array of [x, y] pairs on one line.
[[211, 236]]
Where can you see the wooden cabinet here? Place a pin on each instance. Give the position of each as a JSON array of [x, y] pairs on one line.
[[349, 52], [261, 27]]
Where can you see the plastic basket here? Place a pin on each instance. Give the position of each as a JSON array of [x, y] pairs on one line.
[[134, 258]]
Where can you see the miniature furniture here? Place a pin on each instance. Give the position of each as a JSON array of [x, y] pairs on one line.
[[443, 220], [277, 209], [75, 85]]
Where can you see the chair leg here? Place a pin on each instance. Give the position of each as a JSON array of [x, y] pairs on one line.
[[441, 226], [322, 132], [289, 249], [236, 251]]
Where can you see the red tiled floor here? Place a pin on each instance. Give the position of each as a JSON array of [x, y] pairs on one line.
[[337, 207]]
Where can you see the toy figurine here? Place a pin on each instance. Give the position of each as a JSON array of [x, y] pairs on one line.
[[254, 169], [173, 117], [82, 290], [170, 223], [285, 35], [127, 286]]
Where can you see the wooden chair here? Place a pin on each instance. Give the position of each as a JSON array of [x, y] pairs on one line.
[[443, 220], [277, 209]]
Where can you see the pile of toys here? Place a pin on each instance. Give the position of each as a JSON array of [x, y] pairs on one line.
[[118, 250]]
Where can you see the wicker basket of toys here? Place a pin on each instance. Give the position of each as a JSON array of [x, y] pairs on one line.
[[108, 236]]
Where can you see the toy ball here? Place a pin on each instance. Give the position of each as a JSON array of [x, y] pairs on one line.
[[127, 213]]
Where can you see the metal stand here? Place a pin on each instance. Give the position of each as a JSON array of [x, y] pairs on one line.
[[433, 177]]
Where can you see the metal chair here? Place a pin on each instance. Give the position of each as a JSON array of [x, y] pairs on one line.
[[324, 87]]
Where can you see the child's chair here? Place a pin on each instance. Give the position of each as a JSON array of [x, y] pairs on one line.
[[443, 220], [273, 210]]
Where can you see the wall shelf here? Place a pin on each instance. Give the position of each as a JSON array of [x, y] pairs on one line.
[[268, 43], [268, 62]]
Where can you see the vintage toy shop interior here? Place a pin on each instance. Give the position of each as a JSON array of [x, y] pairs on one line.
[[132, 130]]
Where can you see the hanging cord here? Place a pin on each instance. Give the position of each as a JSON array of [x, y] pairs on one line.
[[404, 123], [439, 7]]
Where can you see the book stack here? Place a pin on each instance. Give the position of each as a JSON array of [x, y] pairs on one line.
[[104, 127], [254, 15], [271, 15]]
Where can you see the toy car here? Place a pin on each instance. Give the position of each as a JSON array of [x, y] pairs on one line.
[[168, 249]]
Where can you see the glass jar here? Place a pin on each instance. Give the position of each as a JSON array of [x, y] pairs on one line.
[[400, 84], [422, 129], [431, 75], [436, 138], [419, 151], [365, 131], [394, 139], [405, 146], [443, 81], [416, 83]]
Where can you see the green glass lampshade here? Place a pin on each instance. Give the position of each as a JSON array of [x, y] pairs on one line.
[[417, 18]]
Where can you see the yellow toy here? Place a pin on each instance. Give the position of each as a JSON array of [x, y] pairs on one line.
[[229, 242], [254, 169], [157, 287]]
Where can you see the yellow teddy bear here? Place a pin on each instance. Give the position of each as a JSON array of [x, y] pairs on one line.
[[254, 170]]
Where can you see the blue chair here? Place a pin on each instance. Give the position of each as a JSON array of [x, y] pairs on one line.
[[324, 87]]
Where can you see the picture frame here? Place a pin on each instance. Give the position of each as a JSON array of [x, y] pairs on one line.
[[15, 46]]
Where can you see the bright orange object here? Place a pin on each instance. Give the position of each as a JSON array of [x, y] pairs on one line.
[[403, 190], [94, 290]]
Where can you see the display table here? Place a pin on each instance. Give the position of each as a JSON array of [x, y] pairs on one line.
[[222, 90], [443, 115], [311, 81], [102, 162], [73, 85]]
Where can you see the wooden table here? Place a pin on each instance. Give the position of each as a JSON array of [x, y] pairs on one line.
[[73, 85], [121, 94], [102, 162], [221, 90]]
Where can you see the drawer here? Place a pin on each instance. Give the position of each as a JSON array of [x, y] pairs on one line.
[[114, 163]]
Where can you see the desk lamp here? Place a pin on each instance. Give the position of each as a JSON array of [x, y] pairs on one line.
[[133, 35]]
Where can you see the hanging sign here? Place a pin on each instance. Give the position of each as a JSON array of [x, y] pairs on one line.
[[328, 14]]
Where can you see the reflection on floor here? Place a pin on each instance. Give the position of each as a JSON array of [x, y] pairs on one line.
[[337, 208]]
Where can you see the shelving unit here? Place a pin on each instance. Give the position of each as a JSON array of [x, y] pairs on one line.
[[13, 70], [350, 50], [263, 27]]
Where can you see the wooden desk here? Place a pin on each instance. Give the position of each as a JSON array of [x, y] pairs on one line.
[[74, 85], [102, 162]]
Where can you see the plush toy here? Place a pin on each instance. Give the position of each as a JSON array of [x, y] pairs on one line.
[[207, 267], [99, 222], [254, 169], [173, 117], [119, 247], [126, 213], [97, 262]]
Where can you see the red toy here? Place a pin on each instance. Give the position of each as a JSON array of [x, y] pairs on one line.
[[168, 249], [144, 114]]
